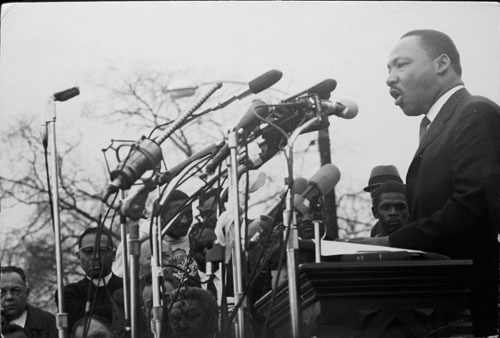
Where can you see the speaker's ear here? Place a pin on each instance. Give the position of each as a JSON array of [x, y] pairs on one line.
[[443, 62], [77, 254]]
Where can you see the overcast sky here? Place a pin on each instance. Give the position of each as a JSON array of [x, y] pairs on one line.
[[46, 47]]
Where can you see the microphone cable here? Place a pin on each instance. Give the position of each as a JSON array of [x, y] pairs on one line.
[[45, 144]]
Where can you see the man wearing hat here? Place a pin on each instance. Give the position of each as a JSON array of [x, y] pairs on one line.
[[389, 207], [392, 197], [381, 174]]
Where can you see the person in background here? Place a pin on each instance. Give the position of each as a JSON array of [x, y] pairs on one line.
[[91, 327], [381, 174], [93, 294], [201, 240], [177, 233], [208, 208], [13, 331], [145, 279], [16, 310], [194, 314], [175, 236], [390, 208], [453, 182]]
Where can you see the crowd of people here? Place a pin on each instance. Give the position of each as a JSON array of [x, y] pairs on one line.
[[449, 205]]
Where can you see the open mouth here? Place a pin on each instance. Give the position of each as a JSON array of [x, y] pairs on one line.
[[397, 95]]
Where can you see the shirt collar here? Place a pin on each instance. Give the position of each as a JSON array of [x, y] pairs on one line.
[[204, 277], [98, 281], [436, 107], [21, 320]]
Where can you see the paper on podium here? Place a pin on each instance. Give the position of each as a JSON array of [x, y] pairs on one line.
[[332, 248]]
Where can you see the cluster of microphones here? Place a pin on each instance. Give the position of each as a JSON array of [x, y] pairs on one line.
[[260, 121], [306, 195]]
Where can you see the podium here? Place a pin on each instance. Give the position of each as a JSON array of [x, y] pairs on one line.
[[361, 296]]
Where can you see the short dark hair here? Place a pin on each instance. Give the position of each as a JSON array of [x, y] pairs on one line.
[[175, 195], [80, 322], [13, 328], [207, 302], [95, 230], [436, 43], [15, 269], [387, 187]]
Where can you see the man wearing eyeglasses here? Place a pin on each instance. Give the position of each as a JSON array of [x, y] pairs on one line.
[[16, 310], [94, 293]]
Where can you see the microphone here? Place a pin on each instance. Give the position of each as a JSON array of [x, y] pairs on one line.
[[67, 94], [322, 89], [346, 109], [174, 171], [143, 156], [289, 115], [266, 222], [269, 146], [248, 122], [146, 153], [320, 184], [133, 206], [255, 86]]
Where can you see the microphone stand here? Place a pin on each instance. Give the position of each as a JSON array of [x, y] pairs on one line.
[[132, 208], [61, 316], [125, 267], [317, 239], [237, 253], [156, 269], [289, 221]]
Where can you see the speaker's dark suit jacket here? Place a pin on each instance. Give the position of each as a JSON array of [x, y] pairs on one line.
[[453, 186]]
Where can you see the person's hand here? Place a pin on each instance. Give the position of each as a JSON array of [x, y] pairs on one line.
[[383, 241]]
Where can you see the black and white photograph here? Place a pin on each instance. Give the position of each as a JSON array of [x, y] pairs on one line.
[[249, 169]]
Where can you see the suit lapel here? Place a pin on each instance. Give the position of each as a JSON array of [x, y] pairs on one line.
[[438, 125], [33, 321]]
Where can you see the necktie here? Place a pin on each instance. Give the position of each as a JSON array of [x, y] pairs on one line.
[[211, 287], [423, 127]]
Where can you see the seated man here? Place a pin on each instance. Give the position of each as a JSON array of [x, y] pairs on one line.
[[390, 207], [194, 314], [93, 293], [15, 307]]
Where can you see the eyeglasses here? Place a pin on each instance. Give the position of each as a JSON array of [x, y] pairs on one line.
[[91, 251], [14, 291]]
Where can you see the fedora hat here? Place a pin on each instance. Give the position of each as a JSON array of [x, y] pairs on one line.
[[381, 174]]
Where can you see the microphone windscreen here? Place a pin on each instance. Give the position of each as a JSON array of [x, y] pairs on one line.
[[249, 121], [66, 94], [323, 89], [299, 185], [351, 109], [326, 178], [265, 81]]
